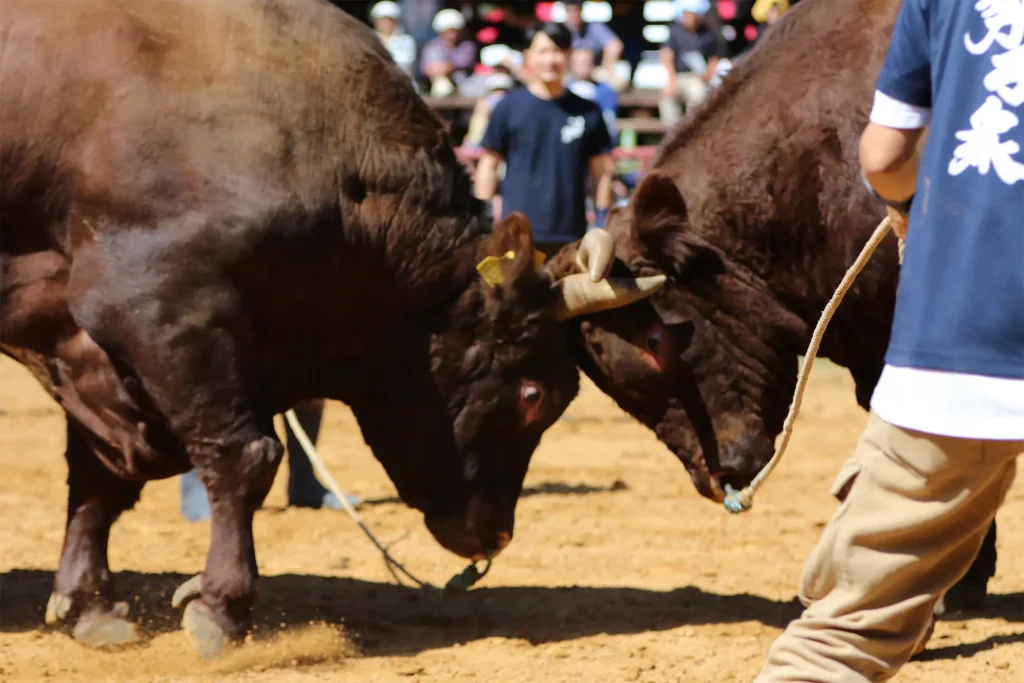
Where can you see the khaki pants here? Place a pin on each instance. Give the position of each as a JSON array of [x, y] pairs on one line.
[[691, 90], [915, 509]]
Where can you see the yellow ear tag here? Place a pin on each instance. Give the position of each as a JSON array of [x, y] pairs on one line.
[[493, 273]]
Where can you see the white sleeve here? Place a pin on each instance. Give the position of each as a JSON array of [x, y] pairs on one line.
[[892, 113]]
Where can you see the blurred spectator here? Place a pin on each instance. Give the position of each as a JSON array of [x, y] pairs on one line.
[[417, 15], [769, 11], [690, 56], [583, 83], [498, 83], [551, 140], [385, 17], [447, 60], [603, 44]]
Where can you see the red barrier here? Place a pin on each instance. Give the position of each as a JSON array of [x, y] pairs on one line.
[[644, 155]]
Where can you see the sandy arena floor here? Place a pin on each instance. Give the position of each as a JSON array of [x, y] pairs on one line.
[[618, 572]]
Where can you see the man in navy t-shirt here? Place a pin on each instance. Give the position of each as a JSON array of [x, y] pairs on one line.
[[947, 416], [552, 142]]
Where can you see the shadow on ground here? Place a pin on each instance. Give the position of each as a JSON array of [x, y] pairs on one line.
[[387, 619], [547, 488], [934, 654]]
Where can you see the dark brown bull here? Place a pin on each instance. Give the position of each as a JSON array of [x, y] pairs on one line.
[[754, 209], [213, 209]]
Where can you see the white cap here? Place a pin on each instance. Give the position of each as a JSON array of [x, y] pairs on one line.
[[696, 6], [499, 81], [448, 19], [386, 9]]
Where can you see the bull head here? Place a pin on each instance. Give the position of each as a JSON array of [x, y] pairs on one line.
[[500, 370], [708, 362], [577, 294]]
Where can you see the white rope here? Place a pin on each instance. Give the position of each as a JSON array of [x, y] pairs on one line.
[[461, 581], [741, 501], [332, 486]]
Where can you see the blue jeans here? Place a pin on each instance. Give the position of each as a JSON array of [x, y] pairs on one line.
[[304, 489]]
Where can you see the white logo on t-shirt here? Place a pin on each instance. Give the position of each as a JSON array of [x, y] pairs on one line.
[[573, 129], [980, 146]]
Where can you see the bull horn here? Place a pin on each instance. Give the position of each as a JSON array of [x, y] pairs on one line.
[[579, 295]]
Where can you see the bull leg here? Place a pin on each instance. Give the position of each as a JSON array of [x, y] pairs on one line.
[[228, 586], [185, 338], [968, 595], [82, 586]]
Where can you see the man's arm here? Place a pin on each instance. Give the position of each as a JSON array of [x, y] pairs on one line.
[[890, 158], [602, 172], [437, 69], [495, 144], [890, 148], [435, 63], [611, 54], [611, 46], [668, 60], [486, 179]]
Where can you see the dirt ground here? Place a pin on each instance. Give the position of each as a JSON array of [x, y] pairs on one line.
[[618, 572]]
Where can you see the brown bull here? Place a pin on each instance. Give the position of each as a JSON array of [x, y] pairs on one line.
[[213, 209], [754, 209]]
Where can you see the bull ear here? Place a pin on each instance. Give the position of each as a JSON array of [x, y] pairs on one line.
[[658, 205], [509, 252], [659, 228]]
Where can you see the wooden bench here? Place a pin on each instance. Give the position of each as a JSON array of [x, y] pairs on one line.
[[643, 125], [639, 99], [450, 103]]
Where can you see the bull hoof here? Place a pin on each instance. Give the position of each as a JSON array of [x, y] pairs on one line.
[[207, 638], [187, 591], [107, 628], [965, 598], [57, 608]]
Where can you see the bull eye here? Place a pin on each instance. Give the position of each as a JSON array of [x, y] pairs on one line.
[[654, 341], [531, 396], [656, 348]]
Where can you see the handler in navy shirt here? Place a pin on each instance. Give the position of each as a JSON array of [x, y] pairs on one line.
[[947, 423], [551, 140]]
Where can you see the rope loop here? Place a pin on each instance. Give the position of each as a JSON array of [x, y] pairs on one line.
[[742, 500]]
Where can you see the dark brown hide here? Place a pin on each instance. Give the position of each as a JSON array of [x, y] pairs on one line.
[[213, 209]]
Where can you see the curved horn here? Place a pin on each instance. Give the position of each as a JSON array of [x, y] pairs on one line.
[[579, 295]]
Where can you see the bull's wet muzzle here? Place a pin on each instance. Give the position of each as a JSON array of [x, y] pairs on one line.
[[713, 485], [455, 535]]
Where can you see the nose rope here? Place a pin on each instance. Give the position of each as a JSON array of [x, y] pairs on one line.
[[462, 581], [737, 501]]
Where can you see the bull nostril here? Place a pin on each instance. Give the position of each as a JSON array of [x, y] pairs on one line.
[[501, 541]]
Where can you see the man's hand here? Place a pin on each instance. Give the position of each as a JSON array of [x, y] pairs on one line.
[[898, 222], [709, 73], [596, 253]]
